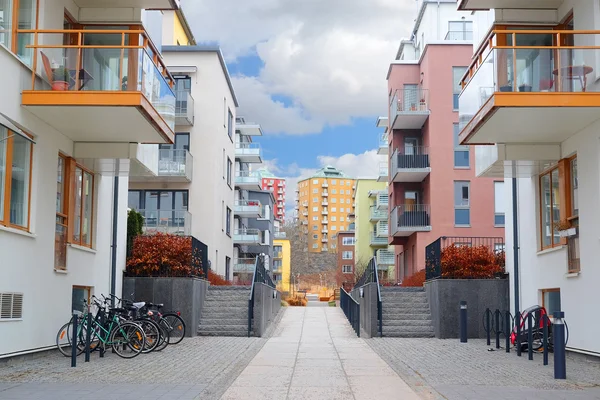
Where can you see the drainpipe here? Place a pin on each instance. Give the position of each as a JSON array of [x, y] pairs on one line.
[[515, 242], [113, 274]]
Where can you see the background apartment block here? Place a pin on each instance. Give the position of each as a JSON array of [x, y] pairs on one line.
[[276, 185], [282, 272], [324, 202], [346, 259], [530, 105], [70, 125], [181, 197], [433, 189]]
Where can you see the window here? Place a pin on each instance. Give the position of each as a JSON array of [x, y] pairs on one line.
[[549, 208], [348, 192], [347, 255], [347, 201], [461, 153], [227, 267], [460, 30], [574, 188], [82, 221], [499, 206], [333, 191], [334, 200], [462, 213], [315, 245], [333, 209], [228, 222], [15, 182], [347, 183], [334, 228], [229, 169], [551, 300], [224, 163], [80, 295], [315, 227], [315, 236], [315, 218], [347, 269], [341, 219], [315, 208], [315, 199], [23, 11], [60, 235], [230, 124], [457, 74], [315, 190], [348, 241], [315, 181], [333, 218], [334, 181]]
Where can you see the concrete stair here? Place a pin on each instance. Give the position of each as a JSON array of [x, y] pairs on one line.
[[406, 313], [225, 312]]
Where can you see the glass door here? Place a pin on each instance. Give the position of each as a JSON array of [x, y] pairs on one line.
[[410, 99], [411, 146]]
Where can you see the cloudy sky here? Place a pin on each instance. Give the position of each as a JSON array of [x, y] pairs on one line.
[[311, 72]]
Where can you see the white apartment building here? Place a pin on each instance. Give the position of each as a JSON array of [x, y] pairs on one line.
[[530, 105], [191, 189], [70, 121]]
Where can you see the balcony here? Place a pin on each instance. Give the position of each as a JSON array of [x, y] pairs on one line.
[[324, 248], [324, 230], [472, 5], [352, 226], [325, 203], [325, 184], [247, 236], [325, 221], [324, 212], [383, 148], [244, 265], [248, 208], [459, 35], [324, 239], [280, 184], [410, 164], [383, 172], [247, 128], [280, 191], [248, 152], [305, 213], [178, 222], [383, 200], [531, 93], [153, 164], [247, 180], [409, 108], [376, 240], [324, 194], [383, 229], [119, 93], [305, 203], [407, 219], [378, 215], [385, 257], [184, 108]]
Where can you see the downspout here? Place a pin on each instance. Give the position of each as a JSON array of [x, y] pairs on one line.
[[113, 274], [515, 242], [438, 21]]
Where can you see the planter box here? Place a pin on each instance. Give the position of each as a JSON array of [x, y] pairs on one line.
[[445, 295], [185, 295]]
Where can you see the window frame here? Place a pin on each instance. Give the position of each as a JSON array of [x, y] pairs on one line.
[[344, 269], [455, 93], [462, 207], [228, 221], [229, 171], [8, 143], [497, 214], [559, 168], [345, 253], [73, 201], [458, 148]]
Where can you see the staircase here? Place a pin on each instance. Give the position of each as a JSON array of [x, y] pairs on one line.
[[225, 311], [406, 313]]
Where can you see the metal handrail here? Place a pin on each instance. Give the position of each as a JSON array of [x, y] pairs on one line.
[[351, 309], [260, 275], [371, 275]]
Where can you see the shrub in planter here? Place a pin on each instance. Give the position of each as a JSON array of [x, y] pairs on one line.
[[217, 280], [163, 255], [415, 280], [478, 262]]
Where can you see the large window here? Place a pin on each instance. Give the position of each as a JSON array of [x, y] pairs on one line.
[[499, 206], [160, 208], [462, 203], [461, 153], [84, 195], [550, 208], [15, 179], [460, 30], [230, 124], [457, 74], [23, 11], [60, 236], [347, 269], [551, 300], [348, 241], [347, 255], [229, 171], [228, 222]]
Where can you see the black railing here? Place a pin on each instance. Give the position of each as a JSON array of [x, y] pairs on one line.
[[200, 256], [351, 308], [433, 251], [371, 275], [411, 157], [260, 275]]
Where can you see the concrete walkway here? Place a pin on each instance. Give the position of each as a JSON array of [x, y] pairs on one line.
[[314, 354]]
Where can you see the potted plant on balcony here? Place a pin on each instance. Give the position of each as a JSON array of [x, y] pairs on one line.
[[507, 87], [565, 229], [60, 78], [124, 83], [525, 87]]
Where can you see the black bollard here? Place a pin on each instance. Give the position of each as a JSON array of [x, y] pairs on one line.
[[488, 327], [518, 341], [463, 322], [507, 330], [560, 361], [530, 336], [497, 327], [88, 336], [545, 321], [74, 341]]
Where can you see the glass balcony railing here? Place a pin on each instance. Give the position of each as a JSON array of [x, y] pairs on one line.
[[166, 221], [377, 215], [385, 257], [244, 265], [99, 60], [247, 178], [377, 240], [175, 162], [247, 207], [248, 236], [248, 150], [383, 170], [459, 35], [184, 108]]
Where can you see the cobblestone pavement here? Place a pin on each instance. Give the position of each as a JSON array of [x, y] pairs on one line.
[[469, 371], [197, 368]]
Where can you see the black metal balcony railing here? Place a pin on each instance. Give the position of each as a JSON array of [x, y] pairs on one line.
[[412, 215], [411, 157]]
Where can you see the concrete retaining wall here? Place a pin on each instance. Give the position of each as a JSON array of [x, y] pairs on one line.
[[368, 309], [185, 295], [265, 307], [445, 295]]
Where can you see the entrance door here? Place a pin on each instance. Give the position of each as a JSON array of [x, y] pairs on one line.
[[411, 145]]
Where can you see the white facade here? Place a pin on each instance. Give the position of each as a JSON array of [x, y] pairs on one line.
[[543, 270], [209, 193]]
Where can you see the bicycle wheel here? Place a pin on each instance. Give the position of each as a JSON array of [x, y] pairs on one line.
[[127, 339], [175, 326], [152, 332], [64, 340], [164, 338]]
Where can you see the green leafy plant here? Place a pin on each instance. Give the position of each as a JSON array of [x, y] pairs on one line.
[[135, 224]]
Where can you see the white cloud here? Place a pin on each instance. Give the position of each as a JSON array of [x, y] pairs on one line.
[[329, 57]]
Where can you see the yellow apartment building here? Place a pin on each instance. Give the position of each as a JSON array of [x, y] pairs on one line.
[[175, 29], [323, 204], [282, 269]]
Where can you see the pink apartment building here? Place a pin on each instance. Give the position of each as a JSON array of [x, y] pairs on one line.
[[433, 190]]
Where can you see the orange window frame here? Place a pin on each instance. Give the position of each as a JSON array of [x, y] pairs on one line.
[[5, 221], [72, 170]]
